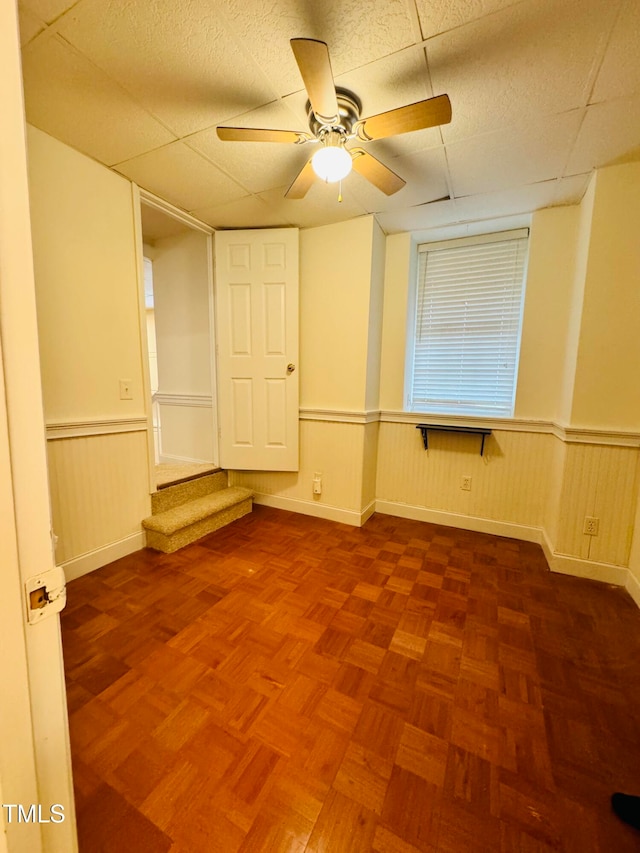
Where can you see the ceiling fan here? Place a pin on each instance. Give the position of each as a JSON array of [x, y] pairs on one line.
[[334, 120]]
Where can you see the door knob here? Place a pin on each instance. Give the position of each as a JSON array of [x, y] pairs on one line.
[[291, 368]]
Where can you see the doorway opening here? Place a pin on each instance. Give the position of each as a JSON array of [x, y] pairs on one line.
[[178, 301]]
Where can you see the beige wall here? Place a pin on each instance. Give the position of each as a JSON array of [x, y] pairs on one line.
[[398, 269], [86, 271], [181, 282], [335, 294], [547, 313], [89, 329], [607, 390], [181, 302]]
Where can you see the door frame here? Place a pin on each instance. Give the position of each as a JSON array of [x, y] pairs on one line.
[[142, 196], [35, 755]]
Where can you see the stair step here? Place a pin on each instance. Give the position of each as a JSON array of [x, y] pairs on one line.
[[181, 525], [172, 496]]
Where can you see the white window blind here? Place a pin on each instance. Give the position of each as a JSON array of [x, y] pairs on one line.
[[467, 328]]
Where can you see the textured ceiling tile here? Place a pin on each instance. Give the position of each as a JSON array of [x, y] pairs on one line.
[[496, 161], [258, 166], [319, 207], [438, 16], [507, 203], [417, 218], [30, 24], [571, 190], [610, 131], [47, 10], [513, 67], [182, 177], [71, 99], [390, 82], [425, 174], [156, 225], [620, 71], [357, 33], [249, 212], [176, 59], [507, 67]]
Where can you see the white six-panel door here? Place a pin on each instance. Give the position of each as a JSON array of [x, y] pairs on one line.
[[257, 348]]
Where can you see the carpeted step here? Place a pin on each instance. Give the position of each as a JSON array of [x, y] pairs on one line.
[[181, 525], [172, 496]]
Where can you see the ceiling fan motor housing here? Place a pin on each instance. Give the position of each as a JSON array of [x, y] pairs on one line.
[[349, 109]]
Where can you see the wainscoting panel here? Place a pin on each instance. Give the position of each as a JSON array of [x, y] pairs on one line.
[[509, 482], [370, 463], [602, 482], [333, 450], [99, 491], [555, 475]]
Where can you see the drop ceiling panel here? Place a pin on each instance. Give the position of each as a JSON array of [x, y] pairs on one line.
[[179, 175], [510, 158], [157, 225], [424, 172], [258, 166], [610, 131], [390, 82], [356, 34], [620, 71], [438, 16], [122, 80], [418, 218], [71, 99], [47, 10], [319, 207], [519, 65], [508, 202], [571, 190], [176, 59], [30, 25], [248, 212]]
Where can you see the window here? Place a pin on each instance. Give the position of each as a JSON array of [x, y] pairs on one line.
[[463, 355]]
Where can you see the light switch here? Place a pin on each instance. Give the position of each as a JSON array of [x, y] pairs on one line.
[[125, 389]]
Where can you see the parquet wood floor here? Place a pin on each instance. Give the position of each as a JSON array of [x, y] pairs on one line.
[[293, 685]]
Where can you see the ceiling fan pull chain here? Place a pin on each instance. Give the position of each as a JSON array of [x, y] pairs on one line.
[[340, 191]]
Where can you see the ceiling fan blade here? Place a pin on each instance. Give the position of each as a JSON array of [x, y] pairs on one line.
[[315, 68], [299, 188], [429, 113], [260, 134], [373, 170]]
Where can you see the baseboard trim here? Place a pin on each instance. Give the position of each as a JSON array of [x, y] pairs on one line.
[[564, 564], [316, 509], [171, 460], [464, 522], [89, 562], [633, 587]]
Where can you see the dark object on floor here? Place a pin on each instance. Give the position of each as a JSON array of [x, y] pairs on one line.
[[627, 807]]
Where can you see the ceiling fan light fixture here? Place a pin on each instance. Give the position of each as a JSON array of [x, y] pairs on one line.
[[332, 162]]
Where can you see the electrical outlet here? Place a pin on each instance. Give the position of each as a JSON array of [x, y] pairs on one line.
[[591, 525], [465, 484]]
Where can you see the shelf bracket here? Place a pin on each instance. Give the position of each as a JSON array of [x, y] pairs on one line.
[[481, 431]]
